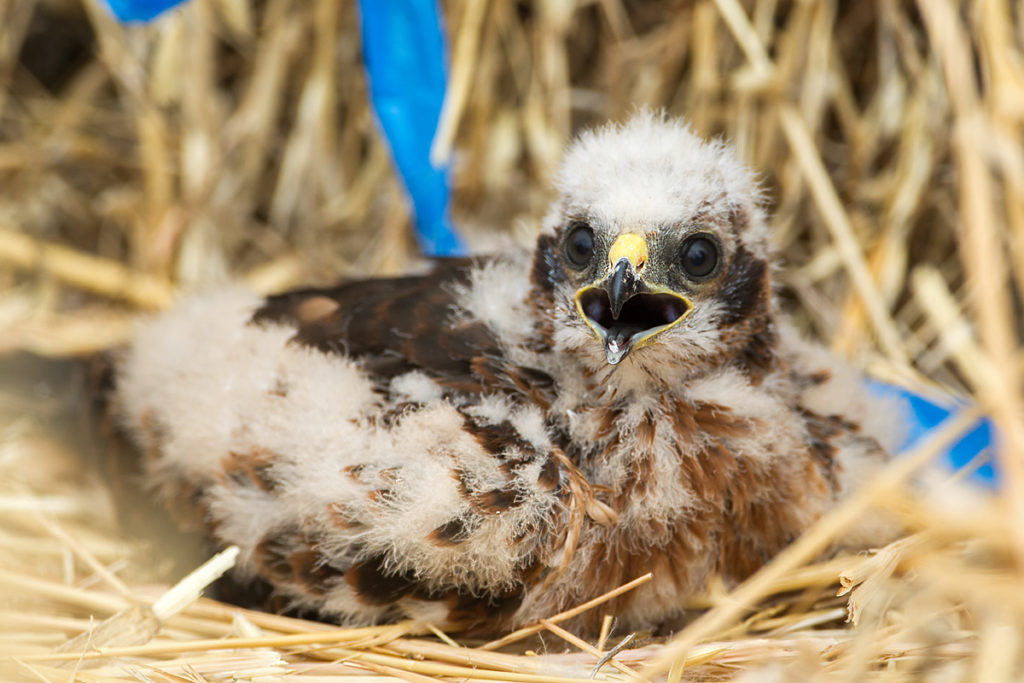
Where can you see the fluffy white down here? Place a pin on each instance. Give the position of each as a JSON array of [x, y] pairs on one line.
[[498, 295], [214, 385], [629, 175], [883, 419], [199, 373]]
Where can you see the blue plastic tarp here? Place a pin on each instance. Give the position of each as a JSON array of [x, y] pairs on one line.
[[925, 414], [405, 54], [140, 10], [406, 59]]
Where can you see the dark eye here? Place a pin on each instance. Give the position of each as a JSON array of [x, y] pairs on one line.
[[699, 256], [579, 244]]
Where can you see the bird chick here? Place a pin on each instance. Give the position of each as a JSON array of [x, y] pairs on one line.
[[505, 437]]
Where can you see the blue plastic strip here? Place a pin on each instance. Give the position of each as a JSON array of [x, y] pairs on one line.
[[925, 415], [405, 54], [131, 11]]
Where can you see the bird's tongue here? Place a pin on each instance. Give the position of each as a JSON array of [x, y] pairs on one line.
[[616, 343]]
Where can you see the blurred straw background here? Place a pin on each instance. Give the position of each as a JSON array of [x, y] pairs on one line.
[[233, 139]]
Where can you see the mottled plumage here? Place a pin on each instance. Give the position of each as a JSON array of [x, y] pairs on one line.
[[504, 437]]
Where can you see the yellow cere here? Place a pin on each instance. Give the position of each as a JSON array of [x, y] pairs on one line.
[[631, 247]]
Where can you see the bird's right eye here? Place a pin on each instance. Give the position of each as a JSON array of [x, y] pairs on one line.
[[579, 244], [699, 256]]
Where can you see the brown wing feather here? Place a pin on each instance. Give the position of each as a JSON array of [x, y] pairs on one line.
[[396, 325]]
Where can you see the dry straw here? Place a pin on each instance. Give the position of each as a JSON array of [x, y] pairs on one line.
[[234, 139]]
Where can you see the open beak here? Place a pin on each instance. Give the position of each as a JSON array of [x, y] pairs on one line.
[[623, 310]]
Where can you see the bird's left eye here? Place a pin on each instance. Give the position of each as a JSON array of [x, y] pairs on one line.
[[699, 256], [579, 244]]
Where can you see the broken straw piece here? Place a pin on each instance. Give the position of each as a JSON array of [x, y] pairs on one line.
[[138, 624], [188, 590]]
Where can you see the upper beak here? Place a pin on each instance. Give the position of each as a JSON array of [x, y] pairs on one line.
[[627, 258], [623, 283]]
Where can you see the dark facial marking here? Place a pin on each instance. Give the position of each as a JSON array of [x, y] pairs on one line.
[[547, 270], [744, 287]]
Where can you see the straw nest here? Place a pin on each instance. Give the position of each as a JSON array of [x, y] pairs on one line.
[[231, 139]]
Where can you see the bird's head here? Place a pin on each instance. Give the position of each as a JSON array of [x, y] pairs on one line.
[[656, 251]]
